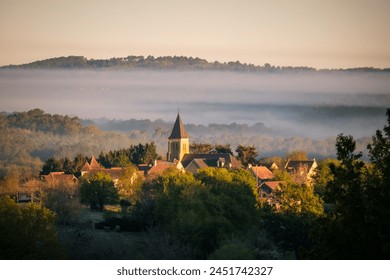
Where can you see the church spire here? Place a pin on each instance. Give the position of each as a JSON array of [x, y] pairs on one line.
[[178, 131], [178, 142]]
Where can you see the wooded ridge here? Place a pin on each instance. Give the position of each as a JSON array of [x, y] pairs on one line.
[[150, 62]]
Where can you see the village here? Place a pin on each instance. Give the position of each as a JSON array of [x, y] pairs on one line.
[[193, 204], [180, 158]]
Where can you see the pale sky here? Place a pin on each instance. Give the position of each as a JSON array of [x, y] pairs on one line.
[[320, 34]]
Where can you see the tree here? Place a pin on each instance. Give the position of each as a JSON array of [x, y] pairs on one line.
[[98, 191], [380, 149], [297, 155], [121, 161], [378, 191], [68, 166], [299, 199], [64, 200], [27, 232], [130, 184], [202, 212], [200, 148], [358, 227], [78, 162], [247, 154], [224, 149], [323, 176], [291, 225], [51, 165], [9, 185], [150, 153]]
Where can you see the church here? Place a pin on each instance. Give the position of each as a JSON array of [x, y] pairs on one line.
[[179, 150]]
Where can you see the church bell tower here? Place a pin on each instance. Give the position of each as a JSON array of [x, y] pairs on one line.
[[178, 142]]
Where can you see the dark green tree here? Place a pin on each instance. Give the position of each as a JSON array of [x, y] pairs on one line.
[[28, 232], [324, 176], [150, 153], [298, 199], [98, 191], [121, 161], [358, 228], [224, 149], [247, 154], [201, 212], [200, 148], [68, 166], [51, 165], [78, 162], [291, 225]]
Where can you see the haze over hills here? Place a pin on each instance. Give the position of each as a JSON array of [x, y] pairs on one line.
[[276, 109], [168, 63]]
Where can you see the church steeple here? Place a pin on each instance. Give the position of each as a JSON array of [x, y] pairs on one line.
[[178, 130], [178, 141]]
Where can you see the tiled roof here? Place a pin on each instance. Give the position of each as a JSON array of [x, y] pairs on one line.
[[200, 163], [59, 177], [272, 184], [196, 164], [262, 172], [178, 130], [86, 167], [160, 167], [94, 164], [212, 160]]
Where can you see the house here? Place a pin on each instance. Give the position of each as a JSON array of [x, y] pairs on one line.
[[178, 150], [261, 173], [160, 166], [90, 169], [267, 192], [273, 166], [57, 178], [301, 171], [92, 166], [194, 162]]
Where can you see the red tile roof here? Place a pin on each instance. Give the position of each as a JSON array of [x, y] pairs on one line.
[[86, 167], [273, 184], [94, 164], [59, 177], [263, 172], [160, 167]]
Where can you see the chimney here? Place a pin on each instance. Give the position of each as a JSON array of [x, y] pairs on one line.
[[155, 162]]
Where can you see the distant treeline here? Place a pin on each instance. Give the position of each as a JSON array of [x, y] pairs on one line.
[[169, 63], [161, 127]]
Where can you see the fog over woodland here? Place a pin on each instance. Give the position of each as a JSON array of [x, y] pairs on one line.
[[312, 105]]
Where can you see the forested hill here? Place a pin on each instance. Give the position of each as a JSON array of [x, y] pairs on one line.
[[38, 120], [169, 63]]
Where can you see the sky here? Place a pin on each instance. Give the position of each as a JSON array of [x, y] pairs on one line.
[[320, 34]]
